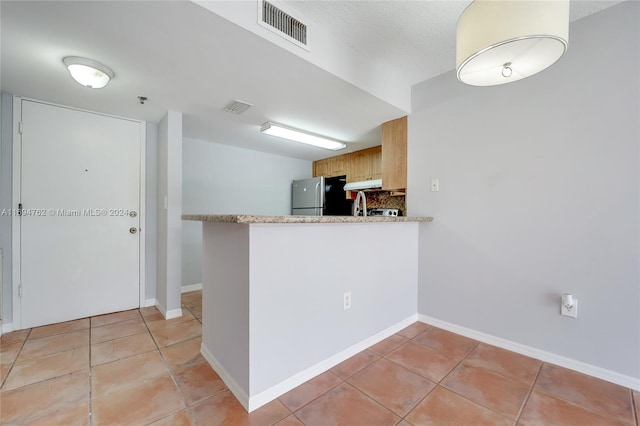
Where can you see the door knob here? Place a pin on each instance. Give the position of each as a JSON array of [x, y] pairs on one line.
[[133, 230]]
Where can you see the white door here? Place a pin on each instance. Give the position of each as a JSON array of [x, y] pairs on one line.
[[79, 228]]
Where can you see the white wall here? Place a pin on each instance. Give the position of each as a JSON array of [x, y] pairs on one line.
[[6, 182], [169, 220], [219, 179], [151, 212], [298, 276], [539, 195]]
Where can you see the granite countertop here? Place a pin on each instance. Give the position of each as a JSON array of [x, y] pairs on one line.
[[245, 218]]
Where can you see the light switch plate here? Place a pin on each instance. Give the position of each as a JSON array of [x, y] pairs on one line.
[[435, 185]]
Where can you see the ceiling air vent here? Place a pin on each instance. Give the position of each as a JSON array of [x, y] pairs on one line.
[[237, 107], [282, 23]]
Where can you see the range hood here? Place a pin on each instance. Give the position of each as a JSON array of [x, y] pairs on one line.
[[365, 184]]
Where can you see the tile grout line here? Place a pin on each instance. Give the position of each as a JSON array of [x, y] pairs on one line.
[[436, 384], [157, 348], [191, 415], [384, 356], [286, 415], [590, 409], [526, 400], [448, 373], [13, 363], [173, 379], [634, 406], [372, 399], [459, 363], [301, 407], [111, 340]]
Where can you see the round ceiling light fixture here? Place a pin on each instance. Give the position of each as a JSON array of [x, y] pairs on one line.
[[502, 41], [87, 72]]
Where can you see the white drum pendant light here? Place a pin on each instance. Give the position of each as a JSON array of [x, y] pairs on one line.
[[501, 41]]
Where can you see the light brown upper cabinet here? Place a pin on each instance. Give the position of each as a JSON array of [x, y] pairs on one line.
[[340, 165], [394, 154], [321, 167], [376, 162], [333, 166], [366, 164]]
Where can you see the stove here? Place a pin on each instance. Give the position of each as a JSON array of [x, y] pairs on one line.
[[383, 212]]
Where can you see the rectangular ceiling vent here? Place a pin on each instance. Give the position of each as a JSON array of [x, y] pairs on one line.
[[282, 23], [237, 107]]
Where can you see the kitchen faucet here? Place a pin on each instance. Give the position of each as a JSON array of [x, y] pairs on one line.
[[356, 209]]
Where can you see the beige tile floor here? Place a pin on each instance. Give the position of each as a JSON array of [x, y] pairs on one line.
[[135, 368]]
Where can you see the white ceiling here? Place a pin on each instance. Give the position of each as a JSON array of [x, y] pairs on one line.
[[418, 36], [186, 58]]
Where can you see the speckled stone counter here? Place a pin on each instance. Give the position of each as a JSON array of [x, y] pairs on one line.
[[238, 218]]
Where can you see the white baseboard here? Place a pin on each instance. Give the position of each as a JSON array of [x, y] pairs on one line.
[[591, 370], [285, 386], [148, 302], [233, 386], [191, 287], [161, 308], [251, 403], [172, 313]]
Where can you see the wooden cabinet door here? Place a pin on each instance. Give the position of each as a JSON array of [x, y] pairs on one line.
[[333, 166], [339, 165], [375, 163], [366, 164], [321, 167], [394, 155], [359, 166]]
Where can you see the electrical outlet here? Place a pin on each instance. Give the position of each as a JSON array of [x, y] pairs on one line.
[[346, 301], [435, 185], [570, 311]]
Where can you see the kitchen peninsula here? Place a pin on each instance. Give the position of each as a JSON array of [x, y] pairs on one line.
[[285, 298]]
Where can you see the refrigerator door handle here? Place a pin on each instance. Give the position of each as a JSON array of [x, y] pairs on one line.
[[319, 197]]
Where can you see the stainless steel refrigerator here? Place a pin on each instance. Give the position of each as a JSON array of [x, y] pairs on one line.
[[320, 196], [307, 197]]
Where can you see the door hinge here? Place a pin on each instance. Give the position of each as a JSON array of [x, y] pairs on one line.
[[20, 127], [20, 290]]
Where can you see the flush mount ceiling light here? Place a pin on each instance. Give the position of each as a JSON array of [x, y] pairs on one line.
[[502, 41], [88, 73], [290, 133]]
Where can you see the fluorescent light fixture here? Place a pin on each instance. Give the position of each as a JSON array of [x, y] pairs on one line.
[[87, 72], [286, 132], [502, 41]]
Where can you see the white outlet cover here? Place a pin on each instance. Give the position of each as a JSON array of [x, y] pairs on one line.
[[346, 301], [435, 185], [573, 312]]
